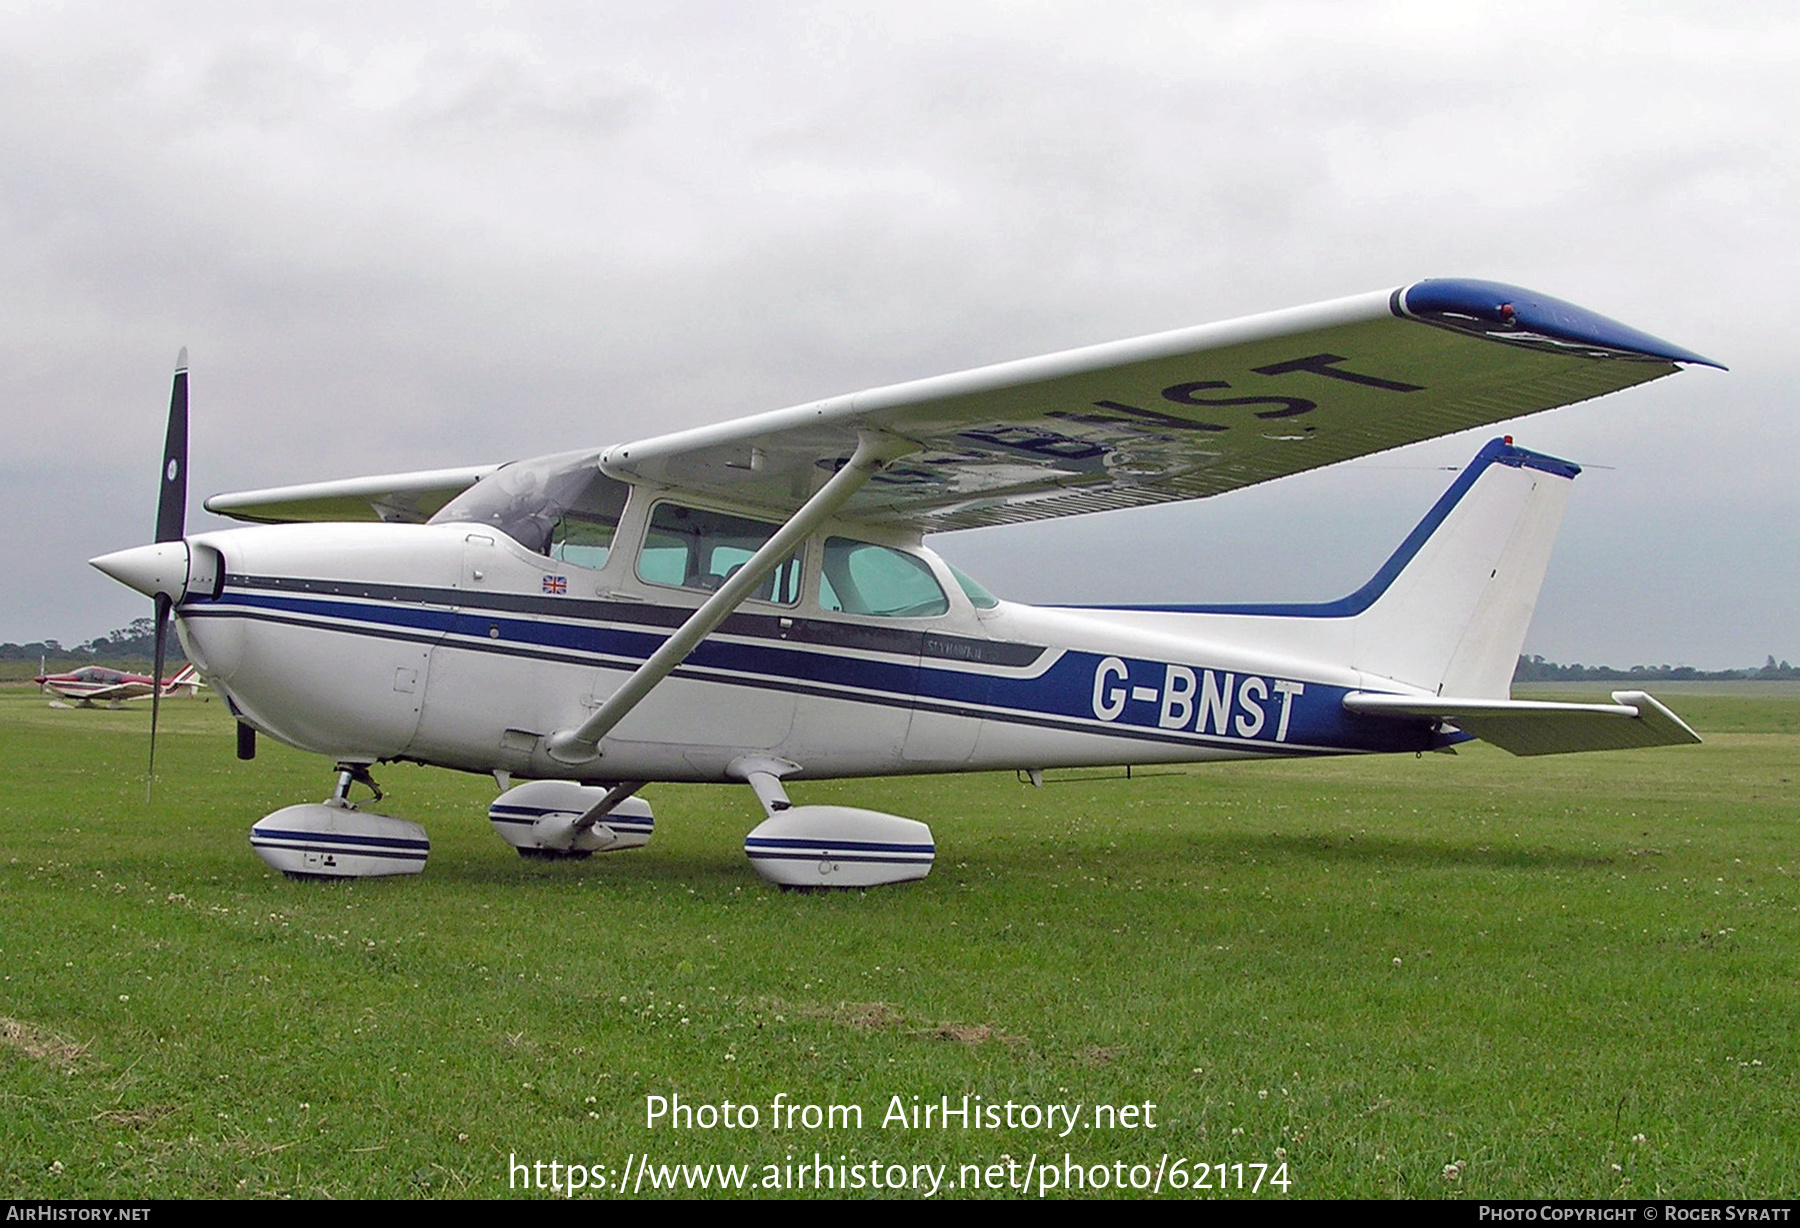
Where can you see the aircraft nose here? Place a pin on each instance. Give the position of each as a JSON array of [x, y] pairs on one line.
[[160, 569]]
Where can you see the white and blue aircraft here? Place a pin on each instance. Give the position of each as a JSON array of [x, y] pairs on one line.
[[752, 602]]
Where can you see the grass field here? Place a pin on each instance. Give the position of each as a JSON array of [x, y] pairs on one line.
[[1469, 976]]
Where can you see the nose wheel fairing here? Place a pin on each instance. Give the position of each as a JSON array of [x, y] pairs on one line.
[[326, 840]]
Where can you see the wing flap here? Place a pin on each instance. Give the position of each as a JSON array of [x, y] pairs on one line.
[[399, 498], [1538, 727]]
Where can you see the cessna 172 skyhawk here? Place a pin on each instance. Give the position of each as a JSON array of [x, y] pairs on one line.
[[751, 602]]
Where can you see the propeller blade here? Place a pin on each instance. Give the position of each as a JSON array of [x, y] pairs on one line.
[[163, 606], [171, 526], [171, 503]]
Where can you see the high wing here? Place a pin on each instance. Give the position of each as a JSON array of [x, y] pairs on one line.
[[1176, 415], [401, 498]]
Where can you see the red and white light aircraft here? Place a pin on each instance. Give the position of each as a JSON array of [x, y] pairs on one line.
[[95, 684], [753, 602]]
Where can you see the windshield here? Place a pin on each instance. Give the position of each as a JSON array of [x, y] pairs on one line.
[[556, 505]]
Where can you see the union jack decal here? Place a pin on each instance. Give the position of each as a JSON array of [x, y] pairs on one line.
[[556, 584]]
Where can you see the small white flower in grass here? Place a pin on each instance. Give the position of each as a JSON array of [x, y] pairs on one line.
[[1396, 961], [1639, 1139], [1281, 1154], [1453, 1171]]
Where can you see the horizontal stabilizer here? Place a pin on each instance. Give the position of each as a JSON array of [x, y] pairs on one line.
[[1537, 727]]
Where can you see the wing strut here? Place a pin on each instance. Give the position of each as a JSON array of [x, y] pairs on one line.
[[873, 451]]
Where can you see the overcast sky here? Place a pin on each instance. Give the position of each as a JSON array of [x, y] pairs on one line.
[[404, 236]]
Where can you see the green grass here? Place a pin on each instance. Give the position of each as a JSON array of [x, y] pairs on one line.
[[1379, 967]]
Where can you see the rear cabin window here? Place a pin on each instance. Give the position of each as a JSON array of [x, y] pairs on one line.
[[972, 588], [690, 547], [863, 578]]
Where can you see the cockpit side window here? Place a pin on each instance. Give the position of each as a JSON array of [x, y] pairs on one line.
[[561, 506], [691, 547], [863, 578], [584, 535]]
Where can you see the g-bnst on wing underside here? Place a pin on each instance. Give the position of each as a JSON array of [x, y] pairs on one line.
[[1178, 415], [752, 602]]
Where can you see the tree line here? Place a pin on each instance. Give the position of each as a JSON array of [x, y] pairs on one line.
[[136, 642], [1536, 669]]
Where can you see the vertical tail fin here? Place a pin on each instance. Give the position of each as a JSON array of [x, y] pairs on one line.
[[1449, 610]]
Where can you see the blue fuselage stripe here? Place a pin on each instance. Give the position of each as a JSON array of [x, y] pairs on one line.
[[1244, 715]]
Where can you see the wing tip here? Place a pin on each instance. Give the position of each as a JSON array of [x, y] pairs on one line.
[[1494, 309]]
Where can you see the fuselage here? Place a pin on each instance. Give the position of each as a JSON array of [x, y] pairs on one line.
[[453, 644]]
